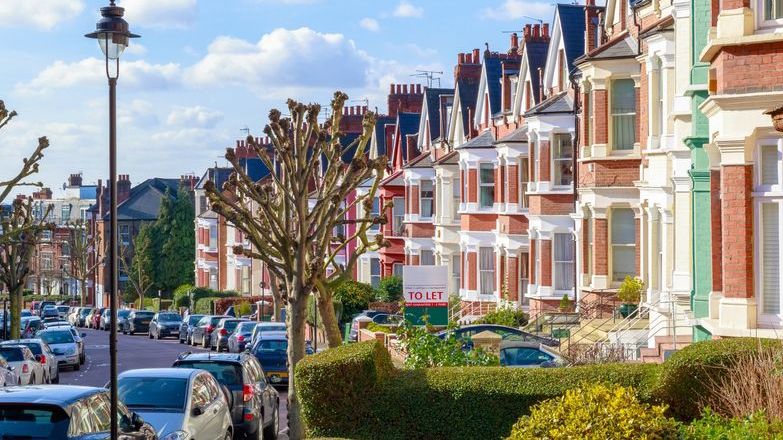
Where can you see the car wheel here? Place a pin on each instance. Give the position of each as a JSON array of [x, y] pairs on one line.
[[204, 342], [82, 358], [150, 335], [32, 379], [56, 378], [77, 367], [228, 435], [270, 432]]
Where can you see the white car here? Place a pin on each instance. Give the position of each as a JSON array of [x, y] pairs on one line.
[[180, 403], [64, 345], [43, 354], [22, 359], [8, 376]]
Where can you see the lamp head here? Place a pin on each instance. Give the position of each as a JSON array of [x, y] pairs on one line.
[[112, 31]]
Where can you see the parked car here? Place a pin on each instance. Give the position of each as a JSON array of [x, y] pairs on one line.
[[50, 311], [73, 315], [388, 319], [79, 338], [256, 404], [8, 374], [180, 403], [37, 306], [83, 314], [465, 333], [271, 350], [241, 336], [203, 330], [63, 310], [138, 321], [263, 327], [218, 339], [22, 359], [43, 354], [95, 318], [523, 354], [186, 328], [30, 325], [165, 324], [64, 346], [65, 412], [353, 336], [105, 323]]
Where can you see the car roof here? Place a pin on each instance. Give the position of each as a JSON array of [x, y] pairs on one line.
[[220, 357], [60, 395], [21, 341], [276, 335], [520, 344], [176, 373], [270, 324]]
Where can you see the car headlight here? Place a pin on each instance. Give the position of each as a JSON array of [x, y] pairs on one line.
[[176, 435], [71, 351]]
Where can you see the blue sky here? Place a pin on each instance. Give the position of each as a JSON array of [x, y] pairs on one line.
[[204, 69]]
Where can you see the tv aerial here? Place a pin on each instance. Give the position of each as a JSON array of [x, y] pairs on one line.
[[430, 75]]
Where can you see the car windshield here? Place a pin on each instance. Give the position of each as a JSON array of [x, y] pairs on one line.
[[273, 345], [271, 328], [63, 308], [123, 313], [193, 319], [84, 312], [225, 373], [162, 393], [523, 356], [56, 337], [12, 354], [32, 421], [246, 327], [144, 314], [34, 347], [169, 317], [230, 325], [215, 319]]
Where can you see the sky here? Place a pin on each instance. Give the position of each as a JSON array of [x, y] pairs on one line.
[[203, 70]]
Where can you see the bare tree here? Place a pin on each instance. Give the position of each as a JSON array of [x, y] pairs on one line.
[[140, 268], [81, 246], [20, 230], [291, 235]]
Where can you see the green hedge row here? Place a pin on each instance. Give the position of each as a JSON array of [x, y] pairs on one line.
[[182, 294], [353, 391]]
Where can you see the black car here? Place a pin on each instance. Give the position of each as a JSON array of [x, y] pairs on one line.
[[65, 411], [165, 324], [202, 330], [218, 339], [467, 332], [138, 322], [186, 327], [255, 403]]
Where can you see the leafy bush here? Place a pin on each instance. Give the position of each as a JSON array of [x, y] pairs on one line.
[[181, 295], [712, 426], [390, 289], [334, 385], [425, 349], [204, 305], [373, 327], [595, 411], [630, 291], [353, 392], [311, 309], [687, 376], [507, 315], [354, 296]]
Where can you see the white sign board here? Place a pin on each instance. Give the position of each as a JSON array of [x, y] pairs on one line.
[[425, 286]]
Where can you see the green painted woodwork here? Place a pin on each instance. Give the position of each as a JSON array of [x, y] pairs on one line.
[[701, 334]]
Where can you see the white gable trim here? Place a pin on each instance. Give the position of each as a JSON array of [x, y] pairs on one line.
[[519, 96], [555, 44], [481, 96], [424, 120]]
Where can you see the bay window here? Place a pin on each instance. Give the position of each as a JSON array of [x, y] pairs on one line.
[[524, 278], [524, 179], [486, 185], [456, 268], [562, 159], [426, 192], [769, 240], [623, 114], [564, 261], [455, 199], [623, 243], [486, 271], [773, 11], [398, 216], [375, 272], [375, 211], [397, 270]]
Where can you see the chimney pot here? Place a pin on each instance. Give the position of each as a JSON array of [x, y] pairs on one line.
[[399, 89], [476, 54], [526, 32], [391, 88], [545, 30], [350, 110], [460, 58], [536, 30], [237, 143], [590, 2], [514, 41], [404, 89]]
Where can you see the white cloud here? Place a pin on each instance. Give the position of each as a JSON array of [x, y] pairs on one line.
[[407, 10], [136, 74], [160, 13], [301, 58], [135, 49], [196, 116], [43, 14], [139, 113], [370, 24], [516, 9]]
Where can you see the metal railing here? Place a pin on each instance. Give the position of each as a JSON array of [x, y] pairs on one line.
[[461, 311]]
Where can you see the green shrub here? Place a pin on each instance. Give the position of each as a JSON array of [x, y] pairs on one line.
[[507, 315], [713, 427], [598, 412], [373, 327], [354, 296], [390, 289], [181, 295], [311, 309], [334, 386], [687, 375], [425, 349], [630, 291], [204, 305], [353, 392]]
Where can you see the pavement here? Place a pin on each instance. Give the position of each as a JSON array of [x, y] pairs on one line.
[[136, 351]]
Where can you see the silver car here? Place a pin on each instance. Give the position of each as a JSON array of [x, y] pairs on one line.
[[180, 403], [63, 344], [22, 359], [8, 376], [43, 354]]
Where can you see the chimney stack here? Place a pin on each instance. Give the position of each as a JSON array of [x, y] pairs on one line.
[[476, 56], [536, 30], [591, 23], [514, 42], [460, 58], [123, 188], [545, 30], [75, 180], [526, 32]]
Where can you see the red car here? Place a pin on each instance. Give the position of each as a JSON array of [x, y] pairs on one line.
[[95, 318]]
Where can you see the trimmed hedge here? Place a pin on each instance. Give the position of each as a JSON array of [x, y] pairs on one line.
[[334, 386], [182, 294], [688, 373], [352, 391]]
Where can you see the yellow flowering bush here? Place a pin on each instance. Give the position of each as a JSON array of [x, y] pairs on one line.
[[595, 412]]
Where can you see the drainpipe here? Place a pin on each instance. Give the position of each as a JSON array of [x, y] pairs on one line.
[[575, 76]]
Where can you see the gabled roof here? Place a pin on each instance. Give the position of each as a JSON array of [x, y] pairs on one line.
[[468, 95], [255, 168], [493, 69], [572, 25], [535, 51], [218, 175], [407, 124], [451, 158], [558, 103], [624, 46], [423, 160], [432, 102], [145, 198], [483, 140], [518, 135], [380, 133]]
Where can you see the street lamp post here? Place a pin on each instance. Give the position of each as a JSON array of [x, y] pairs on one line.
[[112, 34]]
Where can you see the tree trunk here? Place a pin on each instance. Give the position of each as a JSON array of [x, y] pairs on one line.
[[329, 319], [16, 299], [296, 312], [277, 303], [83, 293]]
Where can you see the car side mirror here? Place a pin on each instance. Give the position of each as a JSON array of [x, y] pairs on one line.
[[197, 411]]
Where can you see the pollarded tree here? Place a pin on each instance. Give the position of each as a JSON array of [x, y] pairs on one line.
[[81, 245], [293, 237]]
